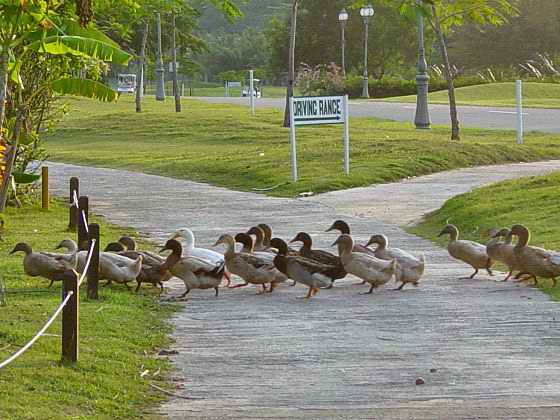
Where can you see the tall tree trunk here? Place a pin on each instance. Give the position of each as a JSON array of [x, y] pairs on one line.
[[4, 188], [4, 59], [141, 68], [291, 62], [175, 83], [436, 25]]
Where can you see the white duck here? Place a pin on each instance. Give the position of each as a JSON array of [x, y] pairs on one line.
[[195, 272], [409, 268], [189, 249], [367, 267]]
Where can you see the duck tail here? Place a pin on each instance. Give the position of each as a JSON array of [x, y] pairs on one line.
[[422, 265], [219, 271]]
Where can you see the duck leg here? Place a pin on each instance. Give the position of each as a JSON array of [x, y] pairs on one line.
[[227, 277], [51, 283], [360, 284], [370, 290], [315, 291], [239, 285], [294, 283], [217, 289], [185, 294], [308, 295], [273, 286], [263, 290], [138, 287], [508, 276], [108, 283], [472, 276], [401, 286]]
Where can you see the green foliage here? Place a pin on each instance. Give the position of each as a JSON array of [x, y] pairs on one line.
[[320, 80], [223, 145], [86, 88]]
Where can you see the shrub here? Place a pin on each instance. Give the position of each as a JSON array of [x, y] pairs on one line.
[[320, 80]]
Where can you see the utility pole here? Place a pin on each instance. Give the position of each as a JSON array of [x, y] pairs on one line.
[[160, 82], [175, 84]]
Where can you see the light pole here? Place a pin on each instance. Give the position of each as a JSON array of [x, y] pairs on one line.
[[160, 83], [366, 13], [343, 18], [422, 118]]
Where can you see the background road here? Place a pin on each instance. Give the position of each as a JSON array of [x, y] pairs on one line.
[[536, 119]]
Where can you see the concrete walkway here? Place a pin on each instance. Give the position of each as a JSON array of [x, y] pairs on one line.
[[486, 350]]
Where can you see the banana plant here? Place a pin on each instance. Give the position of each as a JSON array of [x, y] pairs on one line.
[[45, 27]]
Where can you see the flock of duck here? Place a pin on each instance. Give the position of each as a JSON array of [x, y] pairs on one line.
[[254, 256], [260, 259]]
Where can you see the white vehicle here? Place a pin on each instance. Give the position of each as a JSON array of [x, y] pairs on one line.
[[127, 83], [247, 89]]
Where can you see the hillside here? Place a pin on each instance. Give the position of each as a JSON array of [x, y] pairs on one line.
[[256, 14]]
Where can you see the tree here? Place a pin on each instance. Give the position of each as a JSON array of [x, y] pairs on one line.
[[445, 16], [37, 29]]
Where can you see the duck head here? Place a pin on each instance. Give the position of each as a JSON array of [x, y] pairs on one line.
[[227, 240], [341, 226], [502, 233], [174, 246], [450, 230], [22, 247], [345, 243], [68, 244], [258, 232], [128, 243], [246, 240], [522, 233], [280, 245], [303, 238], [267, 230], [380, 240], [115, 247]]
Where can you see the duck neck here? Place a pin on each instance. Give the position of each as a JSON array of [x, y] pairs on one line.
[[307, 243], [281, 263], [454, 235], [382, 244], [188, 236], [172, 259], [259, 238], [524, 237], [230, 248]]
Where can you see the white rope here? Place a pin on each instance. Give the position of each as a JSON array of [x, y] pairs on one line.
[[39, 334], [75, 203], [54, 316], [85, 221]]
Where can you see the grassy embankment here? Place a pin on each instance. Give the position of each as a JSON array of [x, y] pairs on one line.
[[535, 95], [120, 334], [530, 201], [223, 145]]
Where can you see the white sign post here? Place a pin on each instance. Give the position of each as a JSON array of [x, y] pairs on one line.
[[519, 101], [252, 90], [317, 111]]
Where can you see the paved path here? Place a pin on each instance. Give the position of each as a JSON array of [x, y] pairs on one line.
[[536, 119], [495, 347]]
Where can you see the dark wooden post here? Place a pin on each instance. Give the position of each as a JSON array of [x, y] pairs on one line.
[[93, 269], [45, 187], [74, 188], [83, 203], [71, 321]]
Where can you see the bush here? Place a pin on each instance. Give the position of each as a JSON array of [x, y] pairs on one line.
[[320, 80], [390, 87]]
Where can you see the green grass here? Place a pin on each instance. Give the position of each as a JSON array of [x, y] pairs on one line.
[[223, 145], [530, 201], [267, 91], [535, 95], [119, 335]]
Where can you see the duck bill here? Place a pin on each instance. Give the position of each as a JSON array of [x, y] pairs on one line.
[[162, 250]]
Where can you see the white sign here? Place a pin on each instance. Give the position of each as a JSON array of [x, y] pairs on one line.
[[234, 84], [315, 111], [318, 110]]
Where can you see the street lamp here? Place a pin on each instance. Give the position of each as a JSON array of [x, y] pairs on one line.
[[343, 18], [422, 118], [366, 13]]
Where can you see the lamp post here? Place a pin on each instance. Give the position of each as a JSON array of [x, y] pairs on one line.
[[422, 118], [366, 13], [160, 83], [343, 18]]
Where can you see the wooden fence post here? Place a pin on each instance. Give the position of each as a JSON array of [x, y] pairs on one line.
[[74, 213], [83, 203], [93, 269], [71, 322], [45, 187]]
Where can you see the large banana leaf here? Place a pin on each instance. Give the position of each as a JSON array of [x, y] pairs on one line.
[[86, 47], [86, 88]]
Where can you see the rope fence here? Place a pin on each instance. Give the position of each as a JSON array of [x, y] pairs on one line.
[[70, 291]]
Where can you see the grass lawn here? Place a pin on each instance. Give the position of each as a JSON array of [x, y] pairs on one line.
[[267, 91], [530, 201], [221, 144], [120, 334], [535, 95]]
